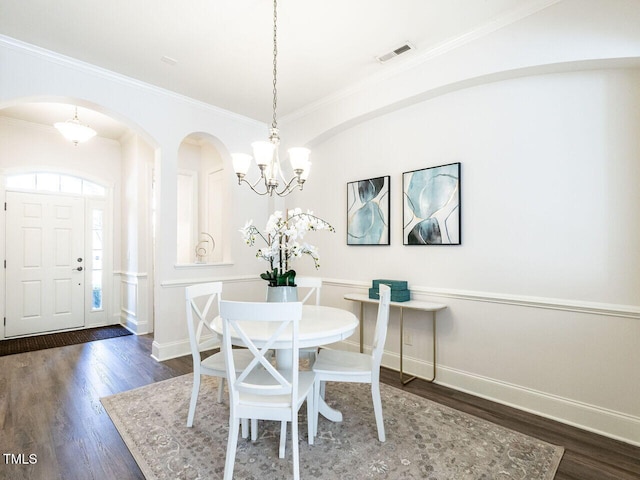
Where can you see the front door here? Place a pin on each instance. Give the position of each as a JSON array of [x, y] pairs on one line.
[[44, 263]]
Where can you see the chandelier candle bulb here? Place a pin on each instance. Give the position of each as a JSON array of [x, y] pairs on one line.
[[241, 163], [263, 152], [299, 158], [305, 174]]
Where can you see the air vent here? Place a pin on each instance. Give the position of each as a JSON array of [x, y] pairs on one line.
[[169, 60], [394, 53]]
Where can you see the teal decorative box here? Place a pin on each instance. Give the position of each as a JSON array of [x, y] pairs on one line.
[[396, 295], [394, 284]]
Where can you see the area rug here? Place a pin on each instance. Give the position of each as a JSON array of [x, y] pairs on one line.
[[425, 440], [62, 339]]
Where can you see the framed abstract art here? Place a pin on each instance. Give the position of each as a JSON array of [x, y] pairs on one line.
[[368, 211], [431, 206]]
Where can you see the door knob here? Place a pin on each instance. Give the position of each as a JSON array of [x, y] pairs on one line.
[[79, 269]]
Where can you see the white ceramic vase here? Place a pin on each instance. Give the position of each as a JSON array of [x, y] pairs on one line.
[[282, 294]]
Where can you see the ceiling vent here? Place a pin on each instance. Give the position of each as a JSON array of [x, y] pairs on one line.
[[394, 53], [169, 60]]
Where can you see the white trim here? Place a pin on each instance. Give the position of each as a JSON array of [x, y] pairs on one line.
[[418, 59], [602, 421], [180, 348], [165, 351], [185, 282], [179, 266], [129, 320], [576, 306], [70, 62], [130, 274]]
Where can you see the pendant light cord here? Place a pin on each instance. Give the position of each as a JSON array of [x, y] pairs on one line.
[[274, 123]]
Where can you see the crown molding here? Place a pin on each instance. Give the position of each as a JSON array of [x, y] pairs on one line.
[[419, 59], [88, 68]]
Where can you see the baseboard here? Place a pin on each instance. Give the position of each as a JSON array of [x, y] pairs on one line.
[[609, 423], [180, 348], [168, 350], [131, 323]]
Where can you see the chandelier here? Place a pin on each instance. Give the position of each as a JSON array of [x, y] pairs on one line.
[[266, 152], [74, 131]]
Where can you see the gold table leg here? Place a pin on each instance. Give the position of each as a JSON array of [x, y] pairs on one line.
[[433, 329], [361, 326]]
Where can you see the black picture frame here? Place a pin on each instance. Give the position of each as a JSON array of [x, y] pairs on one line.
[[431, 206], [368, 211]]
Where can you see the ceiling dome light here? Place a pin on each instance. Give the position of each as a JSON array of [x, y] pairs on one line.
[[74, 131]]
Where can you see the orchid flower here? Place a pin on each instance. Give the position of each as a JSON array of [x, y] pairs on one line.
[[282, 236]]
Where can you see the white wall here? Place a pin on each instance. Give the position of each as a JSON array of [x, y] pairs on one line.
[[549, 170], [543, 308], [543, 293], [136, 243], [163, 120]]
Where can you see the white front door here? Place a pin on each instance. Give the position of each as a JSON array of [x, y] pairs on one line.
[[44, 263]]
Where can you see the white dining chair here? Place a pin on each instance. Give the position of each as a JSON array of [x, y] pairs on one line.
[[355, 367], [203, 302], [311, 288], [261, 390]]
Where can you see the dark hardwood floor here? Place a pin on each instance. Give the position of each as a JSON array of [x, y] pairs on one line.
[[53, 425]]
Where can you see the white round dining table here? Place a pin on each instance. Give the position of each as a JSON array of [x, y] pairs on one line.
[[319, 325]]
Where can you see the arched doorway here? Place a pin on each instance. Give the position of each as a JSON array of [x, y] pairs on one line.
[[118, 274]]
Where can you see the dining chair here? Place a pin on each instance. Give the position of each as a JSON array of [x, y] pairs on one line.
[[312, 286], [311, 289], [261, 390], [355, 367], [203, 303]]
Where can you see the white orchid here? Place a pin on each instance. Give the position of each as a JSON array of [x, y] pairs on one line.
[[282, 237]]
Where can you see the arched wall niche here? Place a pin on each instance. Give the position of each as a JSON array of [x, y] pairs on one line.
[[201, 195]]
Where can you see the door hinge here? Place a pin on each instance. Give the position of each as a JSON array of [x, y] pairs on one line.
[[5, 264], [5, 321], [5, 206]]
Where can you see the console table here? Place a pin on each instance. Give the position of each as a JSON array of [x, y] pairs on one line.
[[412, 305]]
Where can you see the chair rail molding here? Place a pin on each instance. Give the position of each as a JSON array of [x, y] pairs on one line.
[[185, 282], [594, 308], [586, 413]]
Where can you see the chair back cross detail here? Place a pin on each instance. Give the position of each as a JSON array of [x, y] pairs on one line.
[[253, 379], [197, 316], [314, 286], [261, 390]]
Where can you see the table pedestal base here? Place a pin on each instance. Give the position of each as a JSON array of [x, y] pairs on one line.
[[283, 360]]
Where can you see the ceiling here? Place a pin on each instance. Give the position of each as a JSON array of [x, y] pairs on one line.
[[223, 48]]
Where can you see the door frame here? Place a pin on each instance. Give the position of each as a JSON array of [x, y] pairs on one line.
[[96, 318]]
